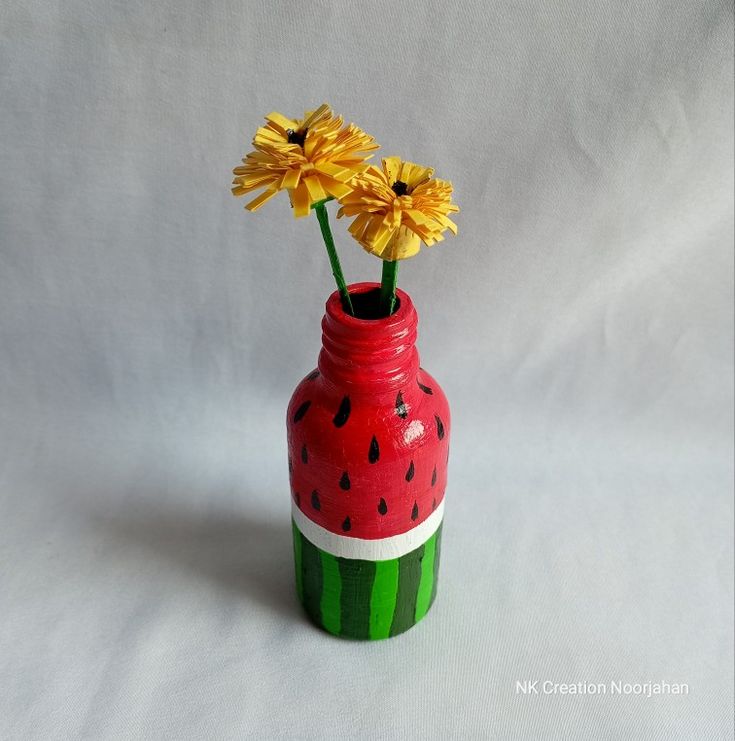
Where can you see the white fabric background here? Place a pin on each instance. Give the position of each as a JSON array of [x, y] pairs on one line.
[[151, 333]]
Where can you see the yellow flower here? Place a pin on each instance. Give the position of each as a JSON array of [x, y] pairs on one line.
[[312, 158], [398, 206]]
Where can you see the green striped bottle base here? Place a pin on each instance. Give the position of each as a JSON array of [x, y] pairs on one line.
[[361, 599]]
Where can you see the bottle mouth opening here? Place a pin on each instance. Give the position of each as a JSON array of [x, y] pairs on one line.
[[366, 303], [361, 351]]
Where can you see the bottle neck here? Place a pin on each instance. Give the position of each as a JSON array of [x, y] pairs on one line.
[[369, 355]]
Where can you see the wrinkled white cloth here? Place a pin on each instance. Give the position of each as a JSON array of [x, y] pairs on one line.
[[151, 333]]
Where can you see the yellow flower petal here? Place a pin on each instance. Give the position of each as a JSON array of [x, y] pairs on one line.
[[417, 216], [335, 171], [382, 237], [334, 187], [313, 116], [290, 179], [446, 221], [405, 244], [392, 167], [256, 203], [357, 227], [300, 200], [280, 121], [316, 192]]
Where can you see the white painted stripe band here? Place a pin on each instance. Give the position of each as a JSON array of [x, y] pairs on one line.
[[382, 549]]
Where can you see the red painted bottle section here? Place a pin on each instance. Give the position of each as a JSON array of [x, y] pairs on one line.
[[368, 431]]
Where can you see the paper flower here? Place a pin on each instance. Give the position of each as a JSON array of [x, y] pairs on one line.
[[397, 207], [312, 158]]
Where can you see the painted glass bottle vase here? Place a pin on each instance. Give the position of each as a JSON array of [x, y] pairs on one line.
[[368, 443]]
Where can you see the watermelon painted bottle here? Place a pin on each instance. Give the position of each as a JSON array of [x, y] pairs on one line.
[[368, 442]]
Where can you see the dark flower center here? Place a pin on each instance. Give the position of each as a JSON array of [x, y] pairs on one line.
[[296, 137], [400, 188]]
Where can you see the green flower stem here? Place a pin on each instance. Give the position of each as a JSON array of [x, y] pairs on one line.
[[323, 217], [388, 287]]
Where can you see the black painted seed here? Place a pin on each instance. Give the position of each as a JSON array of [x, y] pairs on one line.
[[344, 482], [439, 427], [301, 411], [425, 389], [314, 374], [343, 413], [304, 454], [410, 472], [433, 504], [401, 409], [290, 465], [415, 511], [346, 525], [374, 452], [382, 506], [315, 503], [433, 477]]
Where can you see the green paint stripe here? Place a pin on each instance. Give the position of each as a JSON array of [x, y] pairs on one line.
[[357, 586], [297, 561], [331, 593], [437, 554], [366, 599], [311, 570], [409, 576], [383, 598], [426, 585]]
